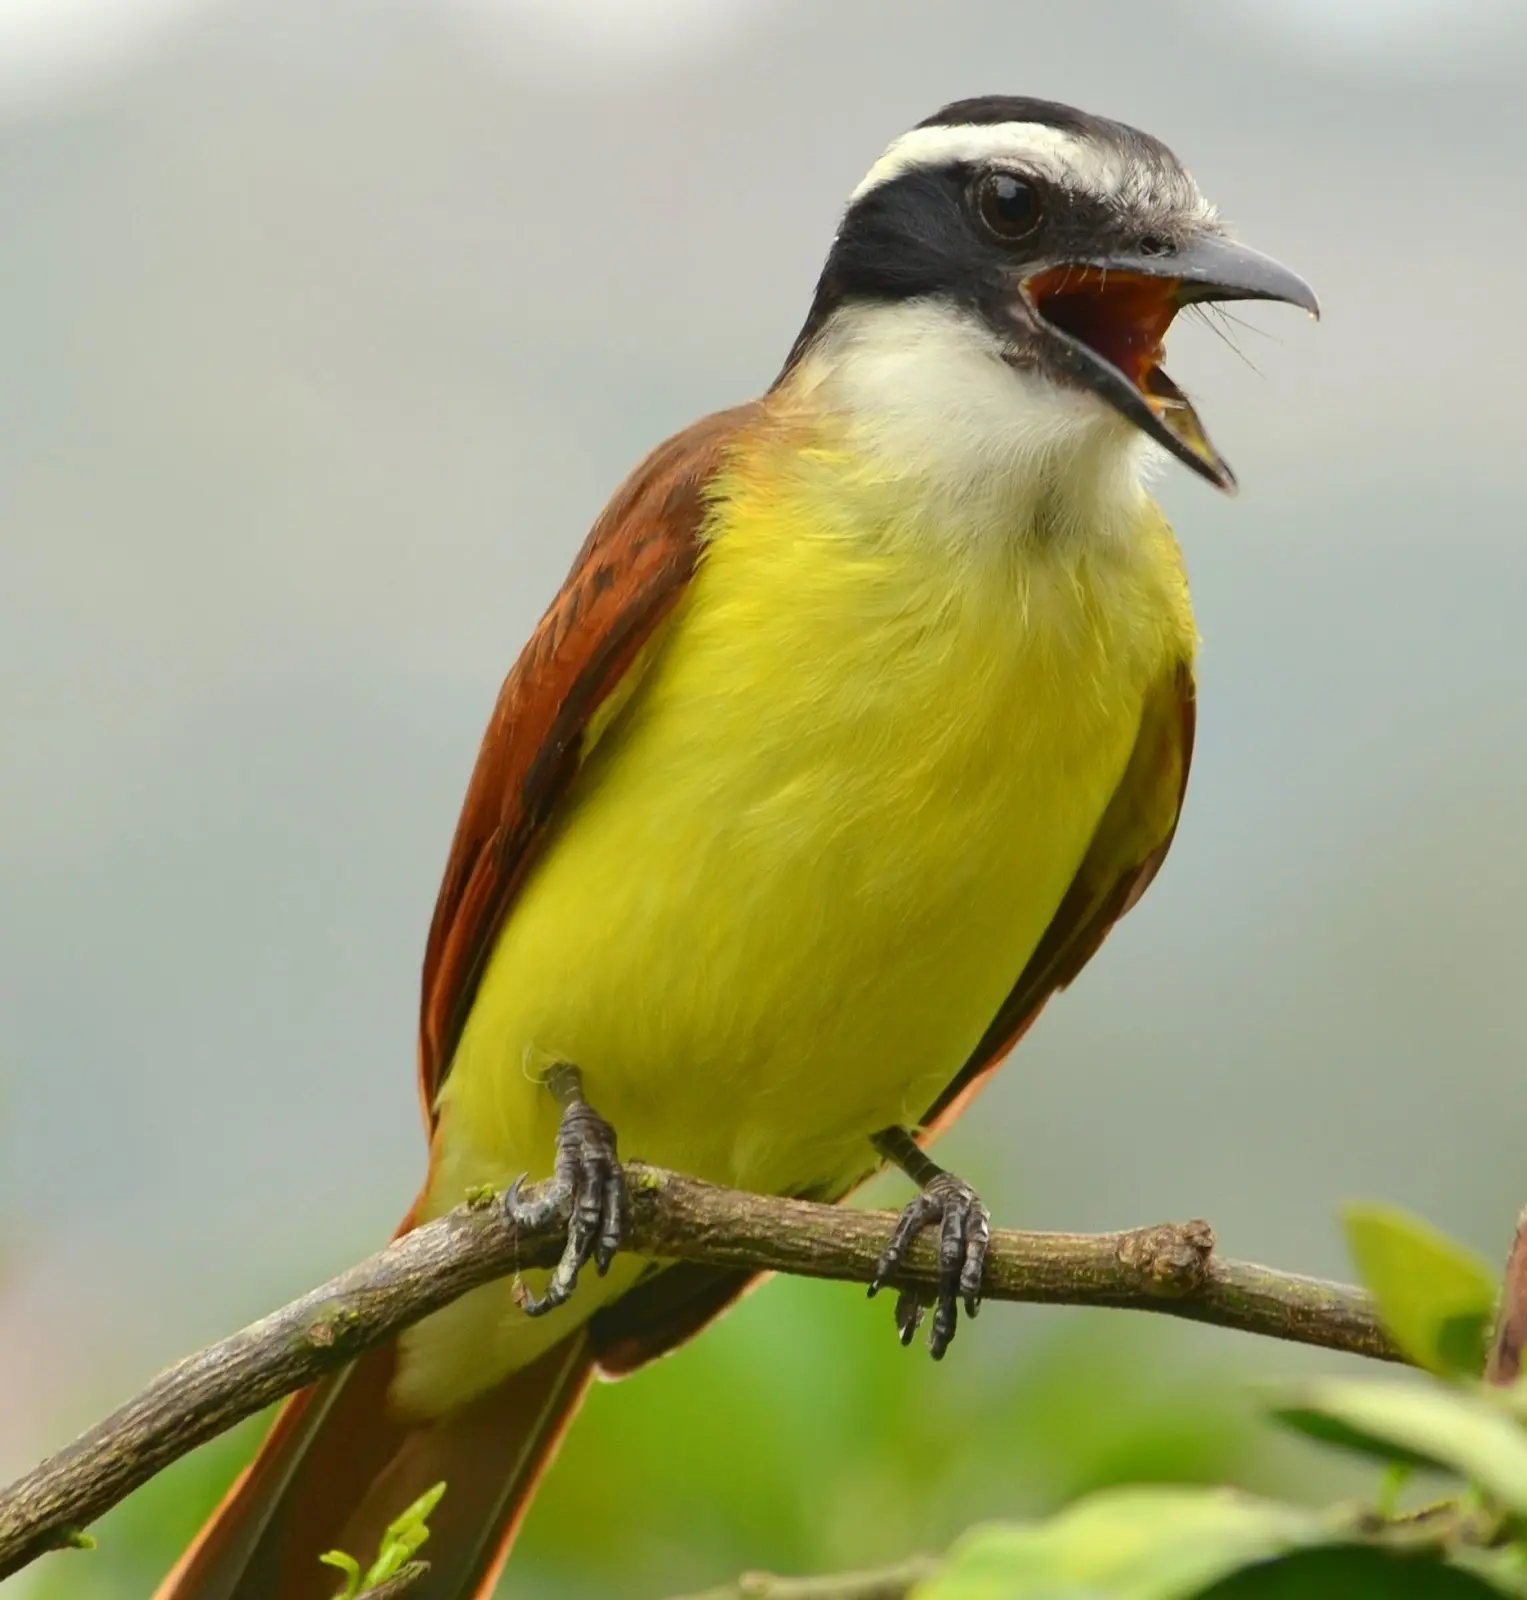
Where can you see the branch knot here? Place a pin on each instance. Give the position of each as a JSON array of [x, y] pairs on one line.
[[343, 1325], [1169, 1261]]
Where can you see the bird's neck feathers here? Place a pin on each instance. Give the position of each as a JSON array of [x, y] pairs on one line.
[[914, 399]]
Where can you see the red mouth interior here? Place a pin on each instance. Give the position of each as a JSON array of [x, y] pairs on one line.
[[1122, 318]]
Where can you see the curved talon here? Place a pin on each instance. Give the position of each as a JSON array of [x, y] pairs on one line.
[[612, 1215], [918, 1212], [910, 1308], [964, 1237], [531, 1216], [587, 1193]]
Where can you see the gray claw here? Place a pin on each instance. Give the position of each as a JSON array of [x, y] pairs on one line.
[[586, 1194], [910, 1306], [964, 1238]]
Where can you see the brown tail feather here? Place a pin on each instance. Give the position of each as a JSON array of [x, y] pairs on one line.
[[338, 1467]]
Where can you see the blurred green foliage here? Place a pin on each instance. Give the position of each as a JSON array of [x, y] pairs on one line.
[[798, 1435], [1435, 1297], [1154, 1543]]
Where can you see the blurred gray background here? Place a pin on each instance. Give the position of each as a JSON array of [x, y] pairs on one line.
[[326, 331]]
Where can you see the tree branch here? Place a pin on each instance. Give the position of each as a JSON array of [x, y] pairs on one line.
[[1168, 1268]]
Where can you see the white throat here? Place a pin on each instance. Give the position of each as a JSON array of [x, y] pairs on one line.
[[963, 439]]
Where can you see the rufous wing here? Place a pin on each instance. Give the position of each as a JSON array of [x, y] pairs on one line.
[[339, 1458], [631, 571]]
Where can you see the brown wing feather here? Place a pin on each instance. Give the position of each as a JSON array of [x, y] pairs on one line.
[[631, 570], [1131, 843]]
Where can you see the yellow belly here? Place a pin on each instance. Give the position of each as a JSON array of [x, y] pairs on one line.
[[802, 867]]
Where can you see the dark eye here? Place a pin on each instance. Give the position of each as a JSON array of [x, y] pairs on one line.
[[1009, 206]]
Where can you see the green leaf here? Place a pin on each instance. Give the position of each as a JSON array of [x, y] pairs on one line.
[[1353, 1572], [401, 1538], [1471, 1434], [1212, 1544], [404, 1535], [1435, 1297], [349, 1566], [1125, 1544], [1330, 1430], [1503, 1568]]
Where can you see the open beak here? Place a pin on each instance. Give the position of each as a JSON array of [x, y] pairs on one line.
[[1108, 319]]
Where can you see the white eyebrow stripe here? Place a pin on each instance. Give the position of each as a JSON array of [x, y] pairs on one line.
[[1065, 157]]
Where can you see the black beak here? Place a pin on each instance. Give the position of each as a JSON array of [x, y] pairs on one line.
[[1215, 268], [1211, 270]]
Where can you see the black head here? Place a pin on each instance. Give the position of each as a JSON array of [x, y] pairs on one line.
[[1073, 239]]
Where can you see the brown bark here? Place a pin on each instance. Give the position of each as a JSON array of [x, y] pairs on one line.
[[1170, 1268]]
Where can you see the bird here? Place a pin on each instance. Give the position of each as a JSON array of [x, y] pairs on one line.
[[863, 714]]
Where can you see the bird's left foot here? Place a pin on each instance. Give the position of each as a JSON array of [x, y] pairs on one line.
[[964, 1235], [587, 1192]]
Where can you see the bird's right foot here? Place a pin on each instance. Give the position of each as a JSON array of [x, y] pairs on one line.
[[586, 1192]]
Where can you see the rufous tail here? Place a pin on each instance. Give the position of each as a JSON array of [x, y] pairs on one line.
[[338, 1466]]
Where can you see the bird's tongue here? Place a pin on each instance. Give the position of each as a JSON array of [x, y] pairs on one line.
[[1120, 317], [1124, 318]]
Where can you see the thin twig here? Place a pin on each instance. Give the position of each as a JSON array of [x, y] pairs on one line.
[[889, 1583], [1168, 1268], [403, 1582], [1505, 1363]]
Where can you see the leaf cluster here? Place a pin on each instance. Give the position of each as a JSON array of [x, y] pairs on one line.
[[401, 1541], [1184, 1543]]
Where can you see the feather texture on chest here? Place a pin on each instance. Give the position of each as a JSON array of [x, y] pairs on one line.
[[887, 602]]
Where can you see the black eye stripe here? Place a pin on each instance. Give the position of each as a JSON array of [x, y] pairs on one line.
[[920, 234]]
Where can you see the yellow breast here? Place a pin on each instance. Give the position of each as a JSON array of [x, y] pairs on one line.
[[809, 856]]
